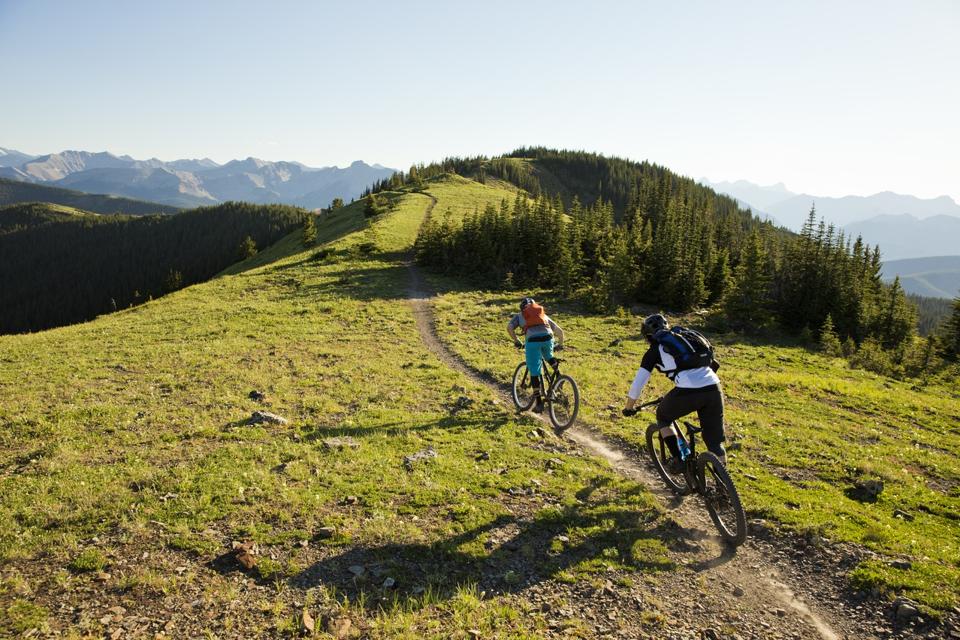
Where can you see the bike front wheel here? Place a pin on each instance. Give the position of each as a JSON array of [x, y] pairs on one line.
[[522, 390], [660, 454], [722, 499], [564, 403]]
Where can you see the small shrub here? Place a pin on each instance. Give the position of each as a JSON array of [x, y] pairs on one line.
[[872, 357], [89, 560], [366, 248], [321, 254], [22, 616]]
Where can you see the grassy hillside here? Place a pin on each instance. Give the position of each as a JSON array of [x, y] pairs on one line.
[[128, 466], [14, 192], [804, 429]]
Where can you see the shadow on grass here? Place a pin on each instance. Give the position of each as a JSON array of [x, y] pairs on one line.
[[510, 554], [459, 422]]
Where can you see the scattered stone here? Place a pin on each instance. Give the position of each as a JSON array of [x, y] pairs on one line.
[[760, 528], [260, 417], [357, 570], [750, 476], [483, 455], [474, 633], [738, 591], [340, 443], [389, 583], [780, 612], [899, 513], [245, 553], [616, 342], [325, 533], [117, 611], [425, 454], [554, 463], [349, 500], [901, 564], [307, 623], [866, 490], [905, 609], [258, 396], [709, 634], [340, 628]]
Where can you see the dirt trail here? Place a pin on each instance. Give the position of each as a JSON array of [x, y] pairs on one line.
[[742, 590]]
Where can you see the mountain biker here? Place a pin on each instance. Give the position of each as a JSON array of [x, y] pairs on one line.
[[697, 389], [539, 330]]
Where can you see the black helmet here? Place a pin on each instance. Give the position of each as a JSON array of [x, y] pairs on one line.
[[653, 324], [525, 302]]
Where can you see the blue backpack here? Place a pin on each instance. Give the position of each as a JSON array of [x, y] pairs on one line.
[[689, 348]]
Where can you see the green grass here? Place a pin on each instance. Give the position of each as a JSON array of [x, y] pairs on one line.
[[805, 428], [125, 448]]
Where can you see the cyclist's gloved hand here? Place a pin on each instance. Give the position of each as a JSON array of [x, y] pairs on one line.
[[517, 344], [629, 412]]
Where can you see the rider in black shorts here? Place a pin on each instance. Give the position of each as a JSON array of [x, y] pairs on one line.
[[696, 390]]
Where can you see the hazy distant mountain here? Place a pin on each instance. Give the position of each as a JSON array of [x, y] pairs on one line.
[[186, 183], [904, 236], [193, 165], [843, 211], [756, 196], [12, 158], [937, 277]]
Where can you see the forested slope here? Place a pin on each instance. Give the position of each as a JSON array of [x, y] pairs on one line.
[[14, 192], [60, 267]]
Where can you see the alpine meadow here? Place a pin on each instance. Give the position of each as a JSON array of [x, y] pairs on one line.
[[310, 434]]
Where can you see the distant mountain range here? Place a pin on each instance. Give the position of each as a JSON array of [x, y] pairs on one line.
[[937, 277], [904, 226], [13, 192], [190, 183]]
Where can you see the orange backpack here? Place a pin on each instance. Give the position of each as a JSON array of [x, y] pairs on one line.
[[533, 315]]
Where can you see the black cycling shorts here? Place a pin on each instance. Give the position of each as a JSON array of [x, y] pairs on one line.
[[707, 402]]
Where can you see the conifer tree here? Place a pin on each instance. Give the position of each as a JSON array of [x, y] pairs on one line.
[[336, 204], [951, 333], [829, 341], [248, 248], [748, 303], [309, 231]]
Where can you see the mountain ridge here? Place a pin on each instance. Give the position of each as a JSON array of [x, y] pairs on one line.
[[197, 182]]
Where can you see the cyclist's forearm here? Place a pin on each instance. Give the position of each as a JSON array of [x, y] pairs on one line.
[[639, 382], [512, 334]]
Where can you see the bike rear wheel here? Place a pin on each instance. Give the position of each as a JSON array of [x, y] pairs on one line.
[[564, 403], [522, 390], [660, 454], [722, 499]]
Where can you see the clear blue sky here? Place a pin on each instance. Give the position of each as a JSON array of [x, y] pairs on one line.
[[830, 97]]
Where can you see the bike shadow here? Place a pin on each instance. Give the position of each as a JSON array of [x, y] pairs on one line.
[[606, 532]]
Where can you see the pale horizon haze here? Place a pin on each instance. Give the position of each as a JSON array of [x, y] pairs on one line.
[[829, 98]]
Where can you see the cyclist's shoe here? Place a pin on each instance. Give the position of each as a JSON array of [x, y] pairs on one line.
[[538, 405], [674, 466]]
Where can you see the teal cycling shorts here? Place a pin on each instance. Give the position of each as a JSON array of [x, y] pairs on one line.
[[534, 352]]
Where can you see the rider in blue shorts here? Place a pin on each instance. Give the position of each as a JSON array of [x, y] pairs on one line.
[[539, 330]]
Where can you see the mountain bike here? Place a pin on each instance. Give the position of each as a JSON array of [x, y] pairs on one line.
[[704, 474], [562, 398]]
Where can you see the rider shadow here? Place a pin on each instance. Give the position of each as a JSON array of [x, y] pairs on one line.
[[508, 554]]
